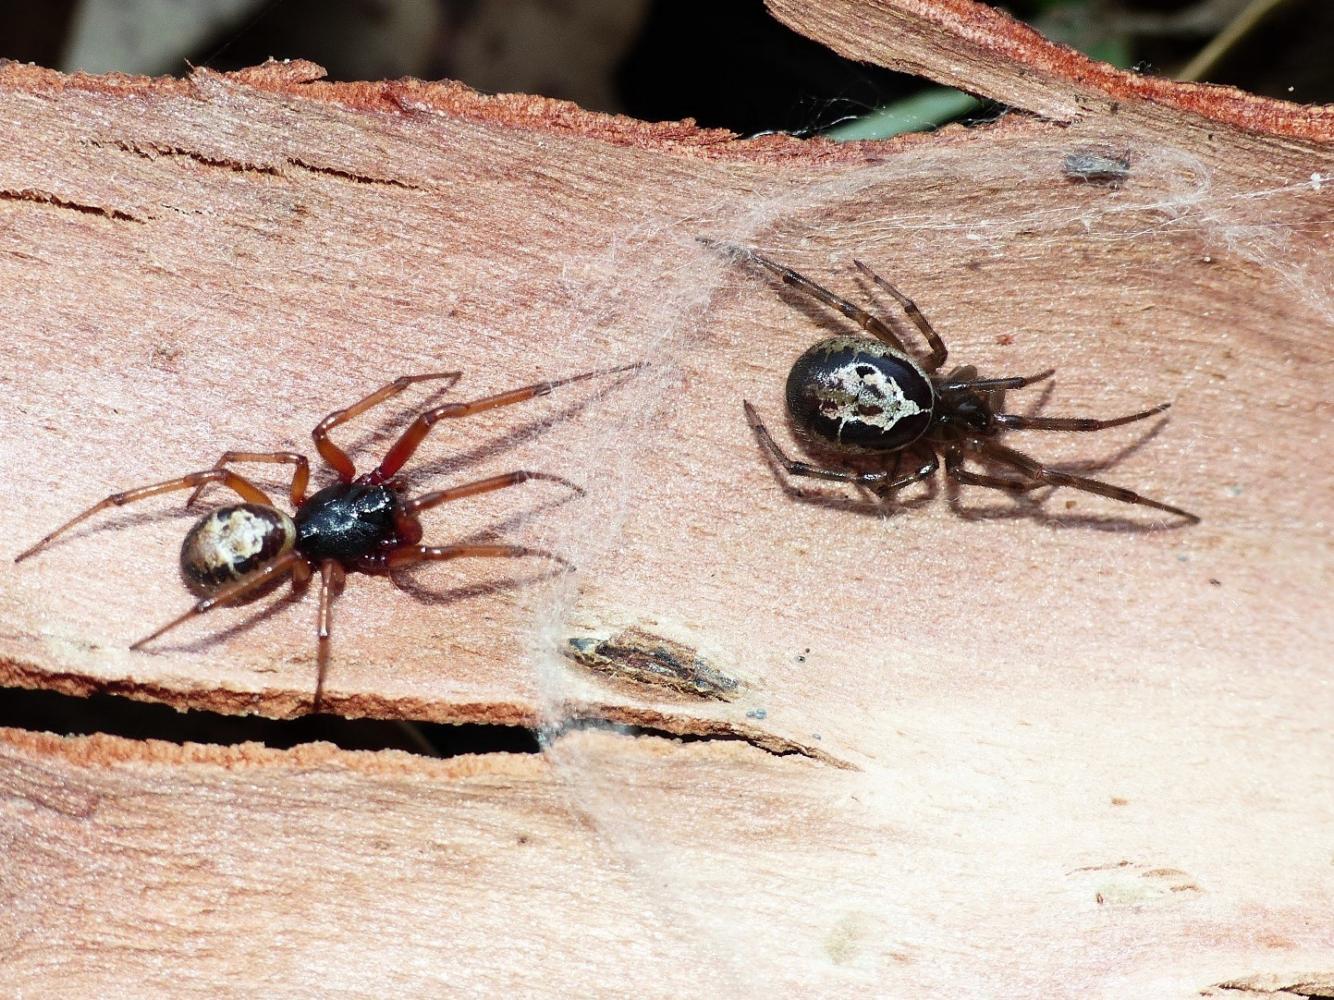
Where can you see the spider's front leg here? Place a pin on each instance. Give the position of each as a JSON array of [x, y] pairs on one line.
[[407, 555], [974, 384], [334, 455], [412, 438], [1017, 422], [428, 500]]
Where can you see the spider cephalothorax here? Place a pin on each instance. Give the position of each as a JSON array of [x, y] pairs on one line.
[[868, 397], [360, 523]]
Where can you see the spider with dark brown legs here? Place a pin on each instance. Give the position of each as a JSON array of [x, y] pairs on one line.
[[866, 397], [360, 523]]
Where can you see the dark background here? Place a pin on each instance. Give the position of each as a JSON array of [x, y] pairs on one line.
[[722, 62]]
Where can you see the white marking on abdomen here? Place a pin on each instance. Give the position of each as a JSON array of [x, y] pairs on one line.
[[876, 390]]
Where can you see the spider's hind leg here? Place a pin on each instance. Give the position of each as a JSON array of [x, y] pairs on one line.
[[243, 487], [795, 468], [939, 352], [869, 322], [882, 481], [276, 569]]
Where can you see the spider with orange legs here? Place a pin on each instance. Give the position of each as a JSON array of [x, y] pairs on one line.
[[360, 523]]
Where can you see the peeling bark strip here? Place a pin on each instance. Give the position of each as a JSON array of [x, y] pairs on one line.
[[982, 50], [1024, 689]]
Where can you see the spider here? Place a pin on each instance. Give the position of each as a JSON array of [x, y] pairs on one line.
[[360, 523], [862, 398]]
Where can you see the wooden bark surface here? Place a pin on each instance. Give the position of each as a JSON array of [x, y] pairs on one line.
[[1059, 748]]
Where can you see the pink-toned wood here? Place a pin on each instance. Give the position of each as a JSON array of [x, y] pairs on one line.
[[1056, 754]]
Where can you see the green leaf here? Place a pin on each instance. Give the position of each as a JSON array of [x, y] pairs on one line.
[[919, 113]]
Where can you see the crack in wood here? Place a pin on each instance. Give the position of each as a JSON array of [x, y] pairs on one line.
[[156, 716], [348, 175], [154, 150], [651, 722], [39, 197], [1314, 986]]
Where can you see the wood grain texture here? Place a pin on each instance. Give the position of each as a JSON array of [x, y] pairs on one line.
[[979, 726]]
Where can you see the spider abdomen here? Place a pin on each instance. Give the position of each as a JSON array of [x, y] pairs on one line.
[[856, 394], [347, 521], [232, 542]]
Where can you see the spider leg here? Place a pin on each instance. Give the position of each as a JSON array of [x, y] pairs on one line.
[[994, 384], [1034, 468], [923, 471], [898, 464], [334, 455], [1020, 423], [244, 487], [794, 468], [300, 474], [275, 569], [332, 576], [955, 470], [429, 500], [409, 554], [868, 322], [939, 352], [406, 445]]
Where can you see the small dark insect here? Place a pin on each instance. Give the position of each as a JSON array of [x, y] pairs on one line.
[[867, 399], [360, 523]]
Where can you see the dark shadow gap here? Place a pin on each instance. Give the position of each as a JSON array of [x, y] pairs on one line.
[[112, 715]]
